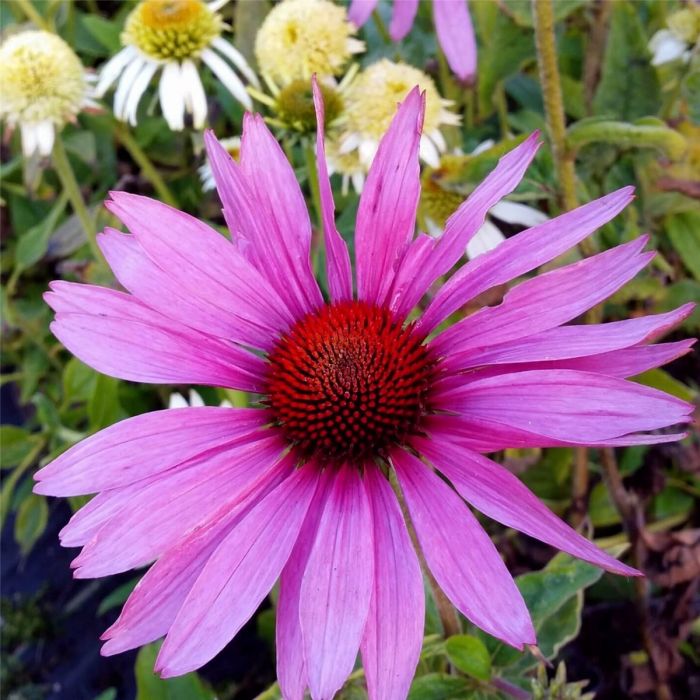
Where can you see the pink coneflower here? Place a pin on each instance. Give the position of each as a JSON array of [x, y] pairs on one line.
[[228, 500], [453, 25]]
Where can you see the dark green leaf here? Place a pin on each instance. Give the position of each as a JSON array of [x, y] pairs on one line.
[[439, 686], [117, 597], [628, 88], [15, 445], [32, 244], [104, 30], [103, 406], [684, 232]]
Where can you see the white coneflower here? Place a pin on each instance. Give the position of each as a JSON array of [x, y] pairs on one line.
[[44, 86], [370, 104], [177, 400], [301, 37], [676, 42], [438, 203], [206, 176], [175, 36]]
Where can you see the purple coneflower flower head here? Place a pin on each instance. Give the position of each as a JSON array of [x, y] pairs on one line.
[[226, 501], [453, 24]]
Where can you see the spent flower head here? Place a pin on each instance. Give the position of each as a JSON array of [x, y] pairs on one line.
[[301, 37], [44, 86], [352, 387], [174, 37]]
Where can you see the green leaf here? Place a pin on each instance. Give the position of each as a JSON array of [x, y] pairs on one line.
[[507, 47], [470, 655], [104, 30], [629, 87], [78, 381], [659, 379], [103, 406], [601, 509], [151, 687], [522, 10], [439, 686], [690, 89], [15, 443], [684, 232], [33, 243], [32, 516]]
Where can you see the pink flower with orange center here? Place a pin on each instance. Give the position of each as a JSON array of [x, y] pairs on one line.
[[226, 501]]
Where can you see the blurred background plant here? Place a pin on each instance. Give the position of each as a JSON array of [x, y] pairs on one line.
[[624, 108]]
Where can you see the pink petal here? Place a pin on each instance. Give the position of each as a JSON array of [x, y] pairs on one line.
[[337, 585], [237, 577], [291, 667], [143, 446], [281, 207], [522, 253], [424, 267], [204, 263], [115, 334], [402, 18], [393, 634], [566, 405], [627, 362], [456, 36], [528, 308], [386, 216], [500, 495], [361, 10], [153, 518], [483, 435], [462, 556], [337, 257], [191, 306], [565, 342], [155, 602]]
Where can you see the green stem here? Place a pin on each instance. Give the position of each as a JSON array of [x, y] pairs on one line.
[[67, 177], [33, 15], [148, 170], [545, 39], [312, 173], [499, 98], [381, 27]]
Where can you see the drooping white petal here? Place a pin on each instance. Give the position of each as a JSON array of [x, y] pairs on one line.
[[137, 89], [29, 138], [517, 213], [230, 80], [429, 152], [126, 82], [45, 133], [172, 100], [113, 68], [485, 239], [195, 97], [236, 57]]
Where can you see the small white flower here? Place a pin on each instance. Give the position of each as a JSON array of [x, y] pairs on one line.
[[177, 400], [174, 37], [666, 46], [206, 176], [44, 86], [676, 43]]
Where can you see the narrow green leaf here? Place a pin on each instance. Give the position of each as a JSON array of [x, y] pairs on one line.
[[33, 243], [684, 232], [659, 379], [15, 445], [103, 406], [439, 686]]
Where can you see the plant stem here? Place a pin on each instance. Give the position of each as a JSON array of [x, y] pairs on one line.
[[448, 615], [33, 15], [67, 177], [312, 174], [545, 39], [381, 27], [148, 170]]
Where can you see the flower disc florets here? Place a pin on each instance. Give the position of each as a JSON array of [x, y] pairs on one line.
[[294, 105], [347, 382], [171, 29], [301, 37], [42, 79]]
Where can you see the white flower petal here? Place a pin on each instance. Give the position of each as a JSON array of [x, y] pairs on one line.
[[439, 140], [516, 213], [230, 80], [485, 239], [666, 46], [358, 182], [29, 139], [126, 82], [428, 152], [483, 146], [195, 399], [137, 89], [45, 134], [113, 68], [236, 57], [172, 99], [196, 99], [177, 400], [367, 151]]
